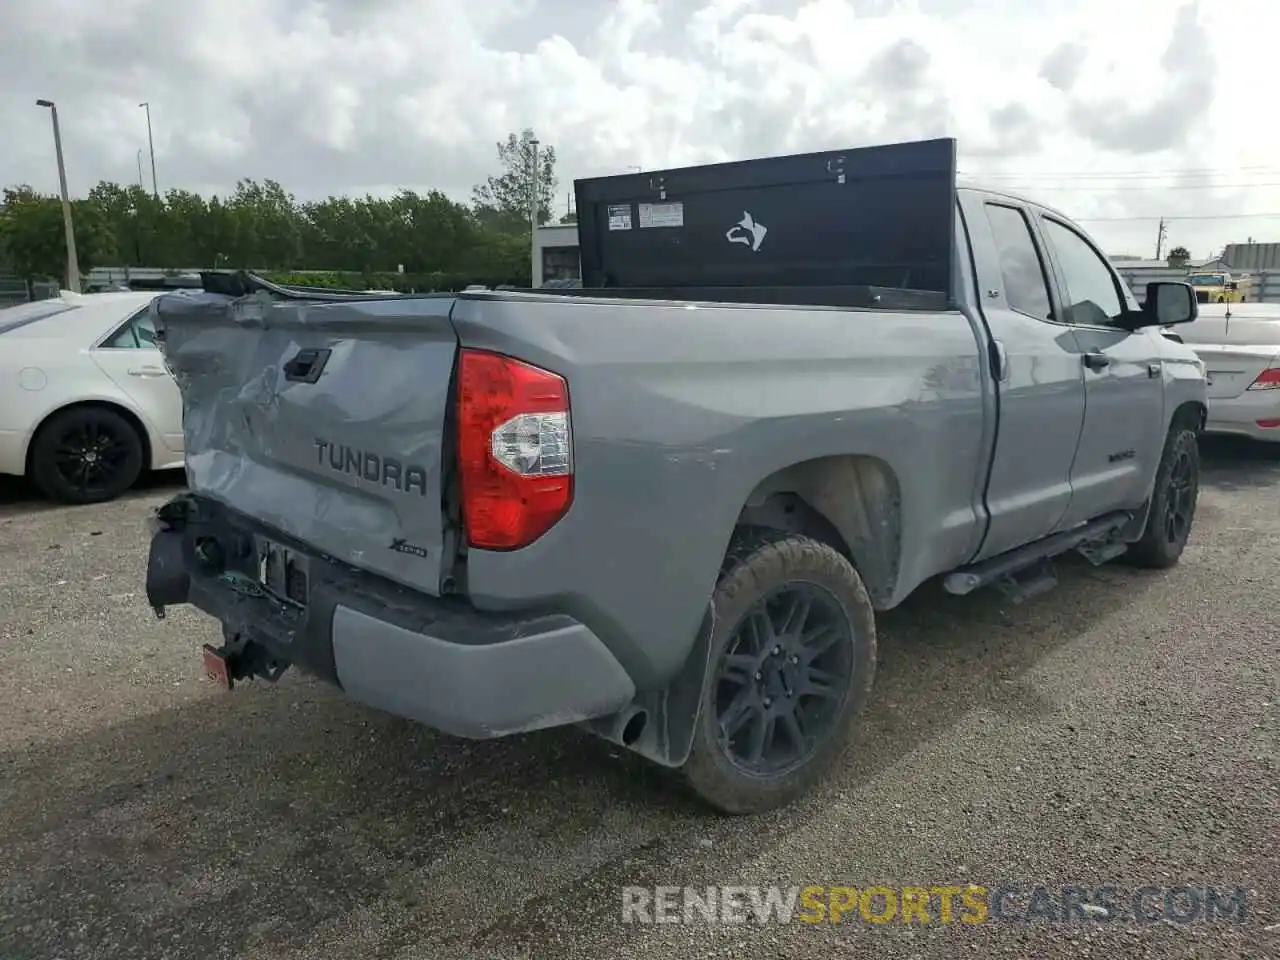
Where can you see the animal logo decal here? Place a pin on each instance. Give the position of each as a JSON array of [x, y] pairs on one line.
[[747, 232]]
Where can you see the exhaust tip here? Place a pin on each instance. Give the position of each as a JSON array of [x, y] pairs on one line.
[[633, 729]]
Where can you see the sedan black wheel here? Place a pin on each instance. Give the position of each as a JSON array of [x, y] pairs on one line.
[[86, 455], [792, 659]]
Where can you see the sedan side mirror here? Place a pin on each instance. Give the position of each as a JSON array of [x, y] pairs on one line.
[[1169, 302]]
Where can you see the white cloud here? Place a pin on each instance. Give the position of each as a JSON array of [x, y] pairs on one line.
[[1095, 108]]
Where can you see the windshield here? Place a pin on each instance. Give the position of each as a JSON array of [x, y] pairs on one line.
[[14, 317], [1207, 280]]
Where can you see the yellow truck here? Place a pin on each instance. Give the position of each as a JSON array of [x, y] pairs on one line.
[[1220, 287]]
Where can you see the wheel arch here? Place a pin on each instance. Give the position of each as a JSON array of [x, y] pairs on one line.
[[1189, 413], [1192, 413], [135, 421], [851, 502]]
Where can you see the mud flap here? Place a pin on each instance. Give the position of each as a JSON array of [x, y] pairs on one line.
[[671, 714]]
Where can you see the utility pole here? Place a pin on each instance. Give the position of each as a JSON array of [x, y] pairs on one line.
[[155, 186], [73, 263], [1160, 238]]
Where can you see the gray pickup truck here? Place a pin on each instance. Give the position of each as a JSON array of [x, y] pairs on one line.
[[666, 506]]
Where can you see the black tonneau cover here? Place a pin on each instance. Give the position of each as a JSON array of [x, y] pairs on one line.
[[871, 217]]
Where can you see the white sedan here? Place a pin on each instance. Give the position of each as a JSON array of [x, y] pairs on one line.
[[1240, 346], [86, 404]]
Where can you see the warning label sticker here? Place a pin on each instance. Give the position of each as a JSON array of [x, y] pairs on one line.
[[661, 215], [619, 216]]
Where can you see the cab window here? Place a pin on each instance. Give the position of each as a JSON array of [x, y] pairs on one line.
[[1092, 295]]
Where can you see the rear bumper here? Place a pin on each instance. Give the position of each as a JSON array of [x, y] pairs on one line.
[[1254, 414], [435, 661]]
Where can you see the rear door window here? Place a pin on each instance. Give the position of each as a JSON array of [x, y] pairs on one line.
[[137, 333], [1026, 288]]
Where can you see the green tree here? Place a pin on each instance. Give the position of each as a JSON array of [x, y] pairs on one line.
[[427, 232], [1178, 257], [133, 224], [439, 243], [267, 226], [34, 237], [503, 202]]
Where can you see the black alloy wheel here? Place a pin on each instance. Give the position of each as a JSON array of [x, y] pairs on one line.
[[86, 455], [1173, 503], [783, 679], [791, 663], [1180, 498]]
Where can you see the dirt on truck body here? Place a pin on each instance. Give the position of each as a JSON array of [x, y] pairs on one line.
[[667, 505]]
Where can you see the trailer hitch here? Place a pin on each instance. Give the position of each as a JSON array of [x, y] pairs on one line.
[[239, 658]]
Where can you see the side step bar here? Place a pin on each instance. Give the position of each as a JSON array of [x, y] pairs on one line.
[[968, 579]]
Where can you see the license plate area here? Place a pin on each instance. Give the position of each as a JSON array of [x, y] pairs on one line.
[[217, 668], [283, 573]]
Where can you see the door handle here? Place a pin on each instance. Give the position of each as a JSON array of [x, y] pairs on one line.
[[306, 365], [1153, 370], [146, 372], [1096, 361], [999, 361]]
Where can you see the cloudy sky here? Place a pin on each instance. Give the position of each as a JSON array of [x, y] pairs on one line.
[[1116, 111]]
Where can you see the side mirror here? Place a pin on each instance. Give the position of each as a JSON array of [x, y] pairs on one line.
[[1169, 302]]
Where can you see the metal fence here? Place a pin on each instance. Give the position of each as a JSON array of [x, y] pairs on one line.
[[15, 290], [112, 278], [1264, 285]]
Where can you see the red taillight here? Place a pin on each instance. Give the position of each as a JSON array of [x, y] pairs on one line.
[[514, 448], [1268, 379]]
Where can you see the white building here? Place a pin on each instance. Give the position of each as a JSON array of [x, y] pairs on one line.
[[555, 254]]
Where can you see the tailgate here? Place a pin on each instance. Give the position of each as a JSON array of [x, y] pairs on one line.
[[325, 420], [1231, 369]]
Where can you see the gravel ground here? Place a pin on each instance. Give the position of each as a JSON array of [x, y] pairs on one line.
[[1122, 730]]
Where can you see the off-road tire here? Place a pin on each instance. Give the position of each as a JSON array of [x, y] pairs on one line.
[[758, 563], [54, 434], [1156, 550]]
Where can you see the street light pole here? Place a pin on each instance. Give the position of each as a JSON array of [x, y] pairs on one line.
[[155, 187], [141, 183], [73, 263], [535, 268]]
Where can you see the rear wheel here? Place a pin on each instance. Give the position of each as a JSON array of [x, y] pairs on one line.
[[1173, 502], [793, 655], [86, 455]]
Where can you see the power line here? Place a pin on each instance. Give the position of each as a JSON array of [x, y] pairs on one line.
[[1212, 216], [1129, 174], [1162, 186]]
